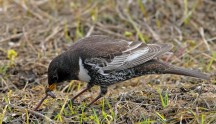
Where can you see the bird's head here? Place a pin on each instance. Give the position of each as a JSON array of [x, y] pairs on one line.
[[60, 69]]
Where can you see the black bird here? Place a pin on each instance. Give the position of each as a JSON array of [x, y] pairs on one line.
[[101, 60]]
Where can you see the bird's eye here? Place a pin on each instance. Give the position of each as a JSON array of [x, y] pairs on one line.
[[55, 78]]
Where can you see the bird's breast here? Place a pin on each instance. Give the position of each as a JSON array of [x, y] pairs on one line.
[[83, 72]]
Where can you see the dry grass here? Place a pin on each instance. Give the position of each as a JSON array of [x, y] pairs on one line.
[[33, 32]]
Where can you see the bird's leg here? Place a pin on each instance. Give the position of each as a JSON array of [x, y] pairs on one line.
[[103, 91], [89, 86]]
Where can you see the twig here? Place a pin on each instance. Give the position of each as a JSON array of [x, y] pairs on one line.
[[90, 31], [11, 37], [211, 39], [116, 109], [27, 40], [135, 25], [110, 32], [54, 32], [154, 34], [45, 97], [204, 40], [125, 15], [31, 111], [48, 38], [179, 32], [25, 7], [39, 104]]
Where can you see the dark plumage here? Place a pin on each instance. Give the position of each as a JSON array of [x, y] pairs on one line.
[[103, 61]]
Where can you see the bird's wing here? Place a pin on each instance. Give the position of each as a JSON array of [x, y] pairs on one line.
[[135, 55], [108, 54]]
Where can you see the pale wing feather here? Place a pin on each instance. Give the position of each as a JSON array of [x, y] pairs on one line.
[[136, 54], [137, 57]]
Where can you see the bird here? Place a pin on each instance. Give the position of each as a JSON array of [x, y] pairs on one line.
[[104, 61]]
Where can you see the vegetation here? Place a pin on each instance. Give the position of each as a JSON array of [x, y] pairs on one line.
[[33, 32]]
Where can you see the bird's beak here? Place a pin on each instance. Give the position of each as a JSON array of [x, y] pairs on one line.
[[51, 87]]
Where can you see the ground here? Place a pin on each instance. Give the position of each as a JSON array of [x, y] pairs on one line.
[[33, 32]]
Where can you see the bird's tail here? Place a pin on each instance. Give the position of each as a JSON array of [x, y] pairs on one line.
[[158, 67], [187, 72]]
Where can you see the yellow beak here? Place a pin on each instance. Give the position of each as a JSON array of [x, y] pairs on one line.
[[52, 87]]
